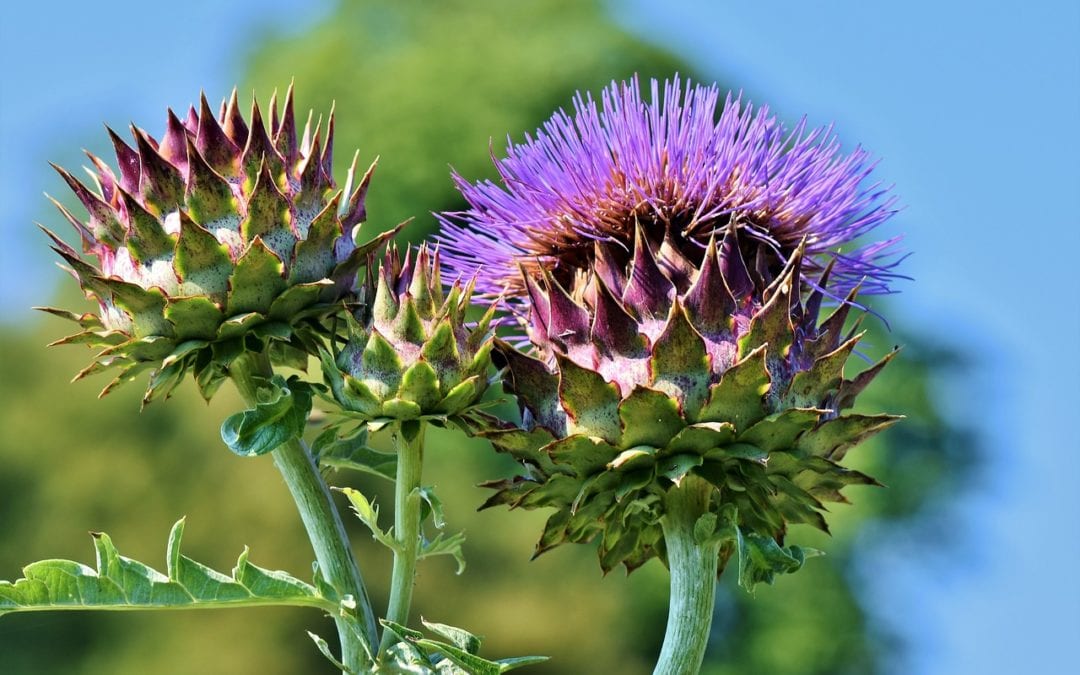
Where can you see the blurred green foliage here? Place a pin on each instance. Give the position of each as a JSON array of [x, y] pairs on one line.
[[422, 85]]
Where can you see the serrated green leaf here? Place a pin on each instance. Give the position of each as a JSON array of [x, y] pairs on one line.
[[417, 654], [445, 544], [352, 452], [324, 649], [368, 513], [279, 416], [405, 657], [459, 637], [519, 662], [119, 583], [403, 632], [475, 665], [431, 506], [761, 559]]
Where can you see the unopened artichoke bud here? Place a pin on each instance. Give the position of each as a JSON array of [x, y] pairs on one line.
[[222, 236], [409, 353], [660, 369]]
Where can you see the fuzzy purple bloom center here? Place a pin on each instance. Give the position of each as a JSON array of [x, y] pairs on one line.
[[684, 173]]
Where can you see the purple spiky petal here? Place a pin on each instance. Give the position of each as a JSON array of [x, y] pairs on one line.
[[684, 173]]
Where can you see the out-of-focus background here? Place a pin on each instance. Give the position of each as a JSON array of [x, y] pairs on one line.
[[965, 564]]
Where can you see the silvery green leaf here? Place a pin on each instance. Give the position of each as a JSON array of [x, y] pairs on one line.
[[278, 417], [120, 583], [368, 513], [324, 649]]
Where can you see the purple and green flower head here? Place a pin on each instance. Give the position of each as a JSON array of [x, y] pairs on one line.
[[684, 168], [222, 236], [670, 264]]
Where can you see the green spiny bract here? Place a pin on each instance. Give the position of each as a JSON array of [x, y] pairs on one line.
[[219, 238], [409, 353], [664, 369]]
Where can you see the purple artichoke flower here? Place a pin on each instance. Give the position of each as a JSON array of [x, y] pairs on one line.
[[670, 269], [222, 236], [685, 175], [686, 399]]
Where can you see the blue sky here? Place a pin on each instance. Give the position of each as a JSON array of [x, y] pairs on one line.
[[972, 107]]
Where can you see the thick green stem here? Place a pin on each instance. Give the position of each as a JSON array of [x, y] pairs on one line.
[[409, 439], [323, 524], [693, 569]]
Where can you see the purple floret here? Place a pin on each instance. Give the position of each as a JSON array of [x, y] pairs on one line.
[[684, 174]]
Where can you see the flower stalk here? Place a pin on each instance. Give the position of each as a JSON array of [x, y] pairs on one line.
[[325, 529], [408, 512], [693, 569]]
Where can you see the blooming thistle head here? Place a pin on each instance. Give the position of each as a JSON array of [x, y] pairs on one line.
[[676, 327], [222, 236], [584, 182]]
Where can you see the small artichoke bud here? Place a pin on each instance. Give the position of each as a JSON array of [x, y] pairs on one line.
[[222, 236], [651, 372], [409, 353]]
